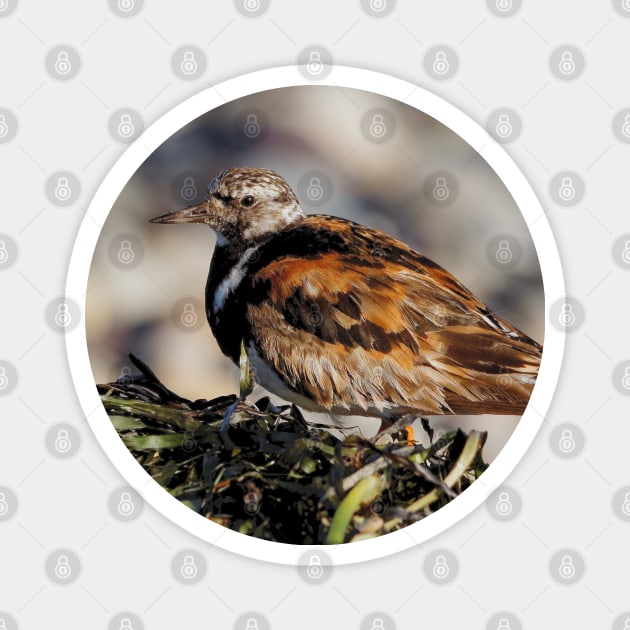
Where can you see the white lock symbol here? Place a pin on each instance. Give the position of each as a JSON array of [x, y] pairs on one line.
[[3, 623], [189, 317], [378, 624], [504, 5], [504, 624], [626, 623], [252, 624], [504, 126], [62, 568], [625, 381], [314, 64], [125, 505], [62, 442], [567, 316], [315, 191], [125, 374], [377, 5], [626, 7], [440, 63], [126, 255], [252, 127], [440, 568], [189, 568], [125, 5], [4, 128], [377, 126], [567, 63], [189, 63], [567, 189], [504, 505], [4, 506], [625, 128], [189, 190], [125, 126], [625, 254], [62, 316], [440, 189], [567, 568], [125, 624], [314, 569], [62, 189], [567, 441], [62, 64], [252, 5], [625, 506], [4, 254], [4, 381], [4, 4], [504, 253]]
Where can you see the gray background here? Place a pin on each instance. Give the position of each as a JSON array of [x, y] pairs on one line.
[[59, 503]]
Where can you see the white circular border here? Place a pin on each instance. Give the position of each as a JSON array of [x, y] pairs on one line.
[[162, 130]]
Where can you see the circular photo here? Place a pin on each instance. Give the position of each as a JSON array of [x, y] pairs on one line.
[[314, 314]]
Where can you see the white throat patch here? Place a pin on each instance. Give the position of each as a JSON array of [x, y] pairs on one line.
[[233, 279]]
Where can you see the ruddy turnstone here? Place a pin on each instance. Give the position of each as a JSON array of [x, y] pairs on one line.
[[341, 318]]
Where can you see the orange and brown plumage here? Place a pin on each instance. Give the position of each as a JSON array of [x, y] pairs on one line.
[[342, 318]]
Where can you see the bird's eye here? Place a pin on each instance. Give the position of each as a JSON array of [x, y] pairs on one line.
[[247, 201]]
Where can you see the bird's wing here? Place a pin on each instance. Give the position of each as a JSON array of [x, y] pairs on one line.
[[353, 318]]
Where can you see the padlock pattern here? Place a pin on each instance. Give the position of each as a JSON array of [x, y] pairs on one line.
[[252, 126], [189, 63], [315, 64]]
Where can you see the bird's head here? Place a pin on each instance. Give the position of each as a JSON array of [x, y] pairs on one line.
[[243, 205]]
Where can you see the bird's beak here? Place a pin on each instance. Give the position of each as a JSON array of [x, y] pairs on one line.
[[192, 214]]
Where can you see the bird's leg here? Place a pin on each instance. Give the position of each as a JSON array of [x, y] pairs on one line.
[[401, 423], [427, 427], [246, 385]]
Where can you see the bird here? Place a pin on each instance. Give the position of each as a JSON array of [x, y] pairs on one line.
[[341, 318]]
